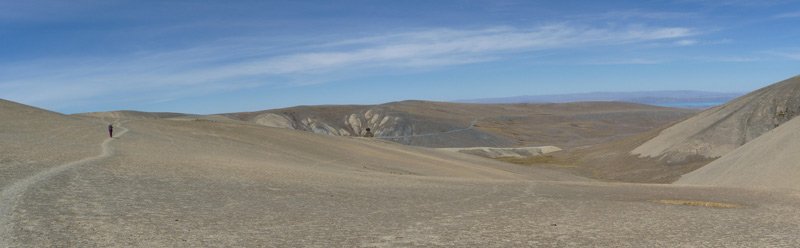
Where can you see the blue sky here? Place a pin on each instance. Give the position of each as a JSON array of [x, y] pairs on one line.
[[226, 56]]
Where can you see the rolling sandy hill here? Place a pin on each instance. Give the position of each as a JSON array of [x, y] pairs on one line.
[[34, 139], [439, 124], [200, 183], [769, 161], [718, 131]]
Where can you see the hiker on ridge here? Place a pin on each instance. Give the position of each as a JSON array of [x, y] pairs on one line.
[[369, 134], [110, 131]]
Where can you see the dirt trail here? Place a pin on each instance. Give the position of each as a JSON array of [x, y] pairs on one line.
[[11, 194]]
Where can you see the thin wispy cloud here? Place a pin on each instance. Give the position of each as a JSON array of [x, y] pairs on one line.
[[640, 15], [793, 54], [727, 59], [736, 3], [686, 42], [788, 15], [690, 42], [411, 49], [39, 10], [243, 63], [199, 56], [629, 61]]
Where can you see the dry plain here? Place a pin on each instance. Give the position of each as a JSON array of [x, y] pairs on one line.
[[189, 182]]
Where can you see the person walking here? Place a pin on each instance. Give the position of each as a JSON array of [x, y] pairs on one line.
[[369, 134], [110, 131]]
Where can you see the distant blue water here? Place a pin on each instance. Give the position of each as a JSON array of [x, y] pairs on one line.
[[690, 105]]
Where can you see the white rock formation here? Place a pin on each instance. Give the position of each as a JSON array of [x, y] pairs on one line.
[[274, 120]]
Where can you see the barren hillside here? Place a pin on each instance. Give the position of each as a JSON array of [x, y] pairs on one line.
[[197, 182], [718, 131], [34, 139], [769, 161]]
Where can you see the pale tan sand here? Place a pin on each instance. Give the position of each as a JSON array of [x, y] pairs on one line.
[[769, 161], [33, 139], [177, 183]]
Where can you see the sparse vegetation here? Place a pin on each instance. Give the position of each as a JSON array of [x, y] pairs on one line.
[[543, 159], [694, 203]]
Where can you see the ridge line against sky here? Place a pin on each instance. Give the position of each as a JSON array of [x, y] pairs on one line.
[[210, 57]]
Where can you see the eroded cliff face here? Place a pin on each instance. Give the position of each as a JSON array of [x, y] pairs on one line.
[[354, 124], [274, 120], [384, 121]]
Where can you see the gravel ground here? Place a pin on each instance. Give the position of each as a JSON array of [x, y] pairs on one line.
[[202, 183]]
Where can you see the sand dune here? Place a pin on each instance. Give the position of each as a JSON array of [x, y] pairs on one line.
[[199, 183], [718, 131], [33, 139], [769, 161]]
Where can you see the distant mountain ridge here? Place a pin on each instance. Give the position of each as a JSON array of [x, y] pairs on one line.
[[677, 98]]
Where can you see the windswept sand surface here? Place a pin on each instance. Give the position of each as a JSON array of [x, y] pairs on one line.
[[172, 183], [33, 139], [769, 161]]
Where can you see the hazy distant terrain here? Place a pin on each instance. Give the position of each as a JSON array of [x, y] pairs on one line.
[[677, 99]]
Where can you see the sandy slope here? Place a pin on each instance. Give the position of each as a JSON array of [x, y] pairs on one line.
[[178, 183], [717, 131], [769, 161], [33, 139]]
